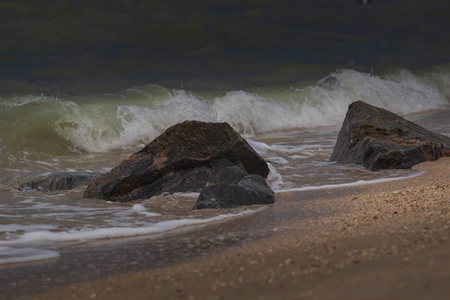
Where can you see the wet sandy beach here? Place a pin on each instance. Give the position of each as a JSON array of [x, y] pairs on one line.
[[381, 241]]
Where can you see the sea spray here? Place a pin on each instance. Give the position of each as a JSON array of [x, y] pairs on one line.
[[42, 126], [251, 113]]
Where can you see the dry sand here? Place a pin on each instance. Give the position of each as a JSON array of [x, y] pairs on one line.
[[382, 241]]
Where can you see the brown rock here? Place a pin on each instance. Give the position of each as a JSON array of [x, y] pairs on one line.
[[378, 139], [184, 158]]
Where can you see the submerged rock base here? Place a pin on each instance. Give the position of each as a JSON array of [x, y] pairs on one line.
[[49, 181]]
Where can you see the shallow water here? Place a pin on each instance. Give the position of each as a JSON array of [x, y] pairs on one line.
[[294, 127], [34, 224]]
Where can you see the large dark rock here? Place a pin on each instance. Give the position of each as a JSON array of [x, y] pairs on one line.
[[49, 181], [184, 158], [233, 187], [378, 139]]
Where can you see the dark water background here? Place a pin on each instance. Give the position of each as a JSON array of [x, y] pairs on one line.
[[75, 46]]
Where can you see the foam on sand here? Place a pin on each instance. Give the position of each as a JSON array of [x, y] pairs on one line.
[[12, 252], [350, 184], [9, 255]]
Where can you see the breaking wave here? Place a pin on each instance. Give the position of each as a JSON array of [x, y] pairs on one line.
[[49, 125]]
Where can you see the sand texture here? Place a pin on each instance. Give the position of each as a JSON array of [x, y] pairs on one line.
[[381, 241]]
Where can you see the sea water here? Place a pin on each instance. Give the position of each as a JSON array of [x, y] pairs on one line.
[[293, 126]]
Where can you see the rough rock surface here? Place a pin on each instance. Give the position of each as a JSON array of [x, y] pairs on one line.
[[233, 187], [184, 158], [378, 139], [49, 181]]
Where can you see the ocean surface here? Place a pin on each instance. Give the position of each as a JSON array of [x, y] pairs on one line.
[[79, 92]]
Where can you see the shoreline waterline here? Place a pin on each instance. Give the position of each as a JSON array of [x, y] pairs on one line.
[[46, 222], [350, 184], [44, 245], [199, 243]]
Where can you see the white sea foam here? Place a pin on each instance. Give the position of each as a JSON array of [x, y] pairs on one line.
[[25, 243], [249, 113], [143, 124], [130, 122], [350, 184], [9, 255], [21, 227], [114, 232], [260, 147], [132, 119], [274, 178], [143, 210]]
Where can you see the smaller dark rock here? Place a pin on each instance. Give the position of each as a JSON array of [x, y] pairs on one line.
[[233, 173], [257, 184], [207, 203], [232, 187]]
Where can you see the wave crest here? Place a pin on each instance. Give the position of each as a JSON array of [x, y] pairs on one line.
[[136, 116]]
